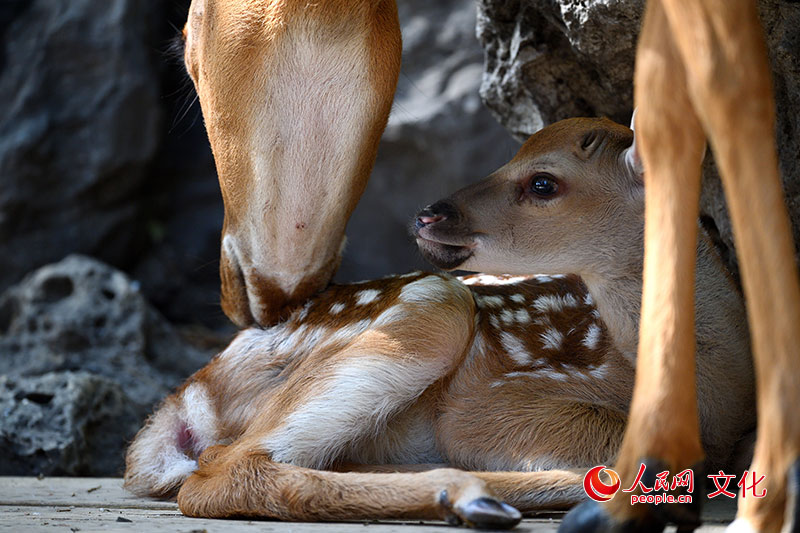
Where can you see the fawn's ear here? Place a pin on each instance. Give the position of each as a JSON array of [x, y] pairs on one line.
[[630, 156]]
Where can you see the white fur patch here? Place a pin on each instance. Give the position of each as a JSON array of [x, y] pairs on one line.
[[348, 333], [488, 279], [490, 301], [550, 303], [200, 416], [291, 342], [354, 402], [393, 314], [506, 316], [515, 348], [547, 373], [519, 298], [367, 296], [588, 300], [600, 372], [522, 316], [337, 308], [552, 339], [592, 336], [156, 464]]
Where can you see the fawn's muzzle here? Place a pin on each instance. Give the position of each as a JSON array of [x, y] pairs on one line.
[[442, 235]]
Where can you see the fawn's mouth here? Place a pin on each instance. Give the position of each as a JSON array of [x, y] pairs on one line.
[[444, 253]]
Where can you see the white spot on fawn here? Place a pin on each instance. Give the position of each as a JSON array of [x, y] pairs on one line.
[[515, 349], [592, 337], [554, 302], [507, 316], [552, 339], [588, 300], [490, 301], [522, 316], [547, 373], [337, 308], [519, 298], [367, 296]]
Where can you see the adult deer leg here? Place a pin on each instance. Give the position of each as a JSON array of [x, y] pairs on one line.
[[730, 86], [663, 428]]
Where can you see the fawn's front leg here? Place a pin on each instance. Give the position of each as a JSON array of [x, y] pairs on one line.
[[237, 481]]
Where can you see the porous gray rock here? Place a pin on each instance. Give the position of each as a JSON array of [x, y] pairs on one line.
[[78, 344], [64, 423], [548, 60]]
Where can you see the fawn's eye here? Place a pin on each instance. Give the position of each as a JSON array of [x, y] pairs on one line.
[[543, 185]]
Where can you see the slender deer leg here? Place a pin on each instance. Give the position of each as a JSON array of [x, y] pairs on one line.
[[244, 483], [663, 428], [730, 86]]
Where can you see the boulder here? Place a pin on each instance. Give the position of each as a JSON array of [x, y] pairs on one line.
[[79, 345], [548, 60], [67, 423]]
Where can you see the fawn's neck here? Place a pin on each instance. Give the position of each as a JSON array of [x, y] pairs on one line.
[[617, 292]]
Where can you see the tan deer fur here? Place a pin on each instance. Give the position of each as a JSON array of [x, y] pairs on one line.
[[526, 374], [295, 96]]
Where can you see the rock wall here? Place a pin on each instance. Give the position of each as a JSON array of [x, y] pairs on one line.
[[548, 60], [83, 359]]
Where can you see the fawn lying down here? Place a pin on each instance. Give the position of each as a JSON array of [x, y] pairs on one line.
[[526, 380]]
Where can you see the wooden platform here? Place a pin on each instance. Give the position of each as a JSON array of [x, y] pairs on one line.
[[99, 504]]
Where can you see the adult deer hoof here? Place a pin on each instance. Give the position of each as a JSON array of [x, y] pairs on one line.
[[793, 499], [480, 513], [592, 517], [685, 515]]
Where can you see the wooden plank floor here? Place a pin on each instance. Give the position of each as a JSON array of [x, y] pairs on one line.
[[100, 504]]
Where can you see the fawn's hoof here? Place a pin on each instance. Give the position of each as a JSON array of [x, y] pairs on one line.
[[592, 517], [480, 513]]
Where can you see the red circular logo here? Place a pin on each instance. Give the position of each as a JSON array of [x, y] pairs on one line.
[[597, 489]]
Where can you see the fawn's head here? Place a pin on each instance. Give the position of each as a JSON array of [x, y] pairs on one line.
[[570, 201]]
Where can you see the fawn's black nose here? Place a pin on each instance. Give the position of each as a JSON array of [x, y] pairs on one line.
[[438, 212]]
